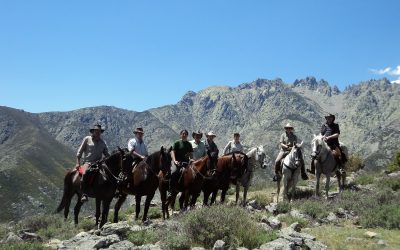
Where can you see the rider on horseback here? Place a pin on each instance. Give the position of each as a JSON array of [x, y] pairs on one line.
[[210, 144], [138, 149], [287, 141], [234, 146], [181, 154], [199, 149], [93, 148], [330, 132]]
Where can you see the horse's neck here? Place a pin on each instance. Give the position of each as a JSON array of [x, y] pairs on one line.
[[288, 160], [324, 152], [113, 164], [201, 164]]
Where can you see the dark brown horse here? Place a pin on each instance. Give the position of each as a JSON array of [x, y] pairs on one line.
[[102, 188], [143, 180], [190, 183], [229, 169]]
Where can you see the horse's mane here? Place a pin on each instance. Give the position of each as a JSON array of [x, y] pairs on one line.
[[319, 138]]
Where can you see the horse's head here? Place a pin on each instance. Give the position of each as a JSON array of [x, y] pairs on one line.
[[296, 154], [317, 144], [165, 159], [262, 159], [115, 161], [212, 162]]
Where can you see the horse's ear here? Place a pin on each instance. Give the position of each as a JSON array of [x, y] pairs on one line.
[[162, 149], [170, 149]]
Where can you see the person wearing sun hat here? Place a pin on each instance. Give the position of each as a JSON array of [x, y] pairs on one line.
[[210, 144], [287, 140], [137, 147], [199, 149], [330, 132], [92, 148]]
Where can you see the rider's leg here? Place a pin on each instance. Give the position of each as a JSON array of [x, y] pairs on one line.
[[312, 170], [84, 184], [303, 168], [278, 169]]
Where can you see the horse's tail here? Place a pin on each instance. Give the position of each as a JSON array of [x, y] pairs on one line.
[[67, 190]]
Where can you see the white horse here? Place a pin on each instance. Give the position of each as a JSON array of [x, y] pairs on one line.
[[326, 164], [291, 171], [256, 157]]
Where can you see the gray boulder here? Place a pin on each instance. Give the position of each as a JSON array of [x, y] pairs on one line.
[[85, 240], [125, 244], [272, 208], [278, 244], [120, 228], [12, 238], [315, 245], [219, 245], [274, 223]]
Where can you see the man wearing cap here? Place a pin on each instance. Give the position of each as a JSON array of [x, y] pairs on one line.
[[210, 144], [234, 146], [330, 132], [287, 141], [93, 147], [199, 149], [137, 147]]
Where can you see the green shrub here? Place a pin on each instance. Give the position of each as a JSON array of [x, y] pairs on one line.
[[175, 241], [23, 246], [391, 182], [317, 209], [288, 220], [87, 224], [230, 224], [143, 237], [154, 213], [283, 207], [365, 179], [354, 163], [387, 216]]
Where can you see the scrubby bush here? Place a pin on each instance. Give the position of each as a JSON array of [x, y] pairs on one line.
[[174, 241], [143, 237], [23, 246], [288, 220], [394, 165], [355, 162], [317, 209], [283, 207], [365, 179], [230, 224]]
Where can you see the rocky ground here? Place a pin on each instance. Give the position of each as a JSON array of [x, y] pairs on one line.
[[305, 223]]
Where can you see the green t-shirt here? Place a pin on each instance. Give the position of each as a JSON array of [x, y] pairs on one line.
[[182, 150]]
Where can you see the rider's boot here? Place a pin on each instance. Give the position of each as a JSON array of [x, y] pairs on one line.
[[278, 173], [312, 170], [304, 175]]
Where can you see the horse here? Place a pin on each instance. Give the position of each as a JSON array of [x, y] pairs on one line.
[[256, 156], [326, 164], [291, 170], [230, 167], [102, 189], [144, 180], [190, 183]]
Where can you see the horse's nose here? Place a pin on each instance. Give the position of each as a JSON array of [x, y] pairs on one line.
[[313, 155]]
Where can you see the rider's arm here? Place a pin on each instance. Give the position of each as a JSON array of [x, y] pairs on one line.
[[227, 148], [173, 157], [137, 155], [334, 136], [80, 151]]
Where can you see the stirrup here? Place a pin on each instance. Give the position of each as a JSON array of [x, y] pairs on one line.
[[276, 178], [84, 198]]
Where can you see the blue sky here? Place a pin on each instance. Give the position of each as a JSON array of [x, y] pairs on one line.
[[64, 55]]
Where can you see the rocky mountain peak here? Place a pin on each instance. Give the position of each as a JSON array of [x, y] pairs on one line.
[[320, 86]]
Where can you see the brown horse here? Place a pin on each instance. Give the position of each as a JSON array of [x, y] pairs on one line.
[[190, 183], [230, 168], [102, 188], [143, 180]]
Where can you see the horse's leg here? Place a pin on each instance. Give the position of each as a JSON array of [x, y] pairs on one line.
[[98, 204], [223, 195], [237, 192], [245, 194], [278, 190], [295, 179], [138, 199], [118, 205], [164, 202], [146, 206], [77, 209], [104, 213], [214, 196], [194, 199], [318, 177], [328, 179], [285, 181], [343, 175], [68, 204], [206, 195]]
